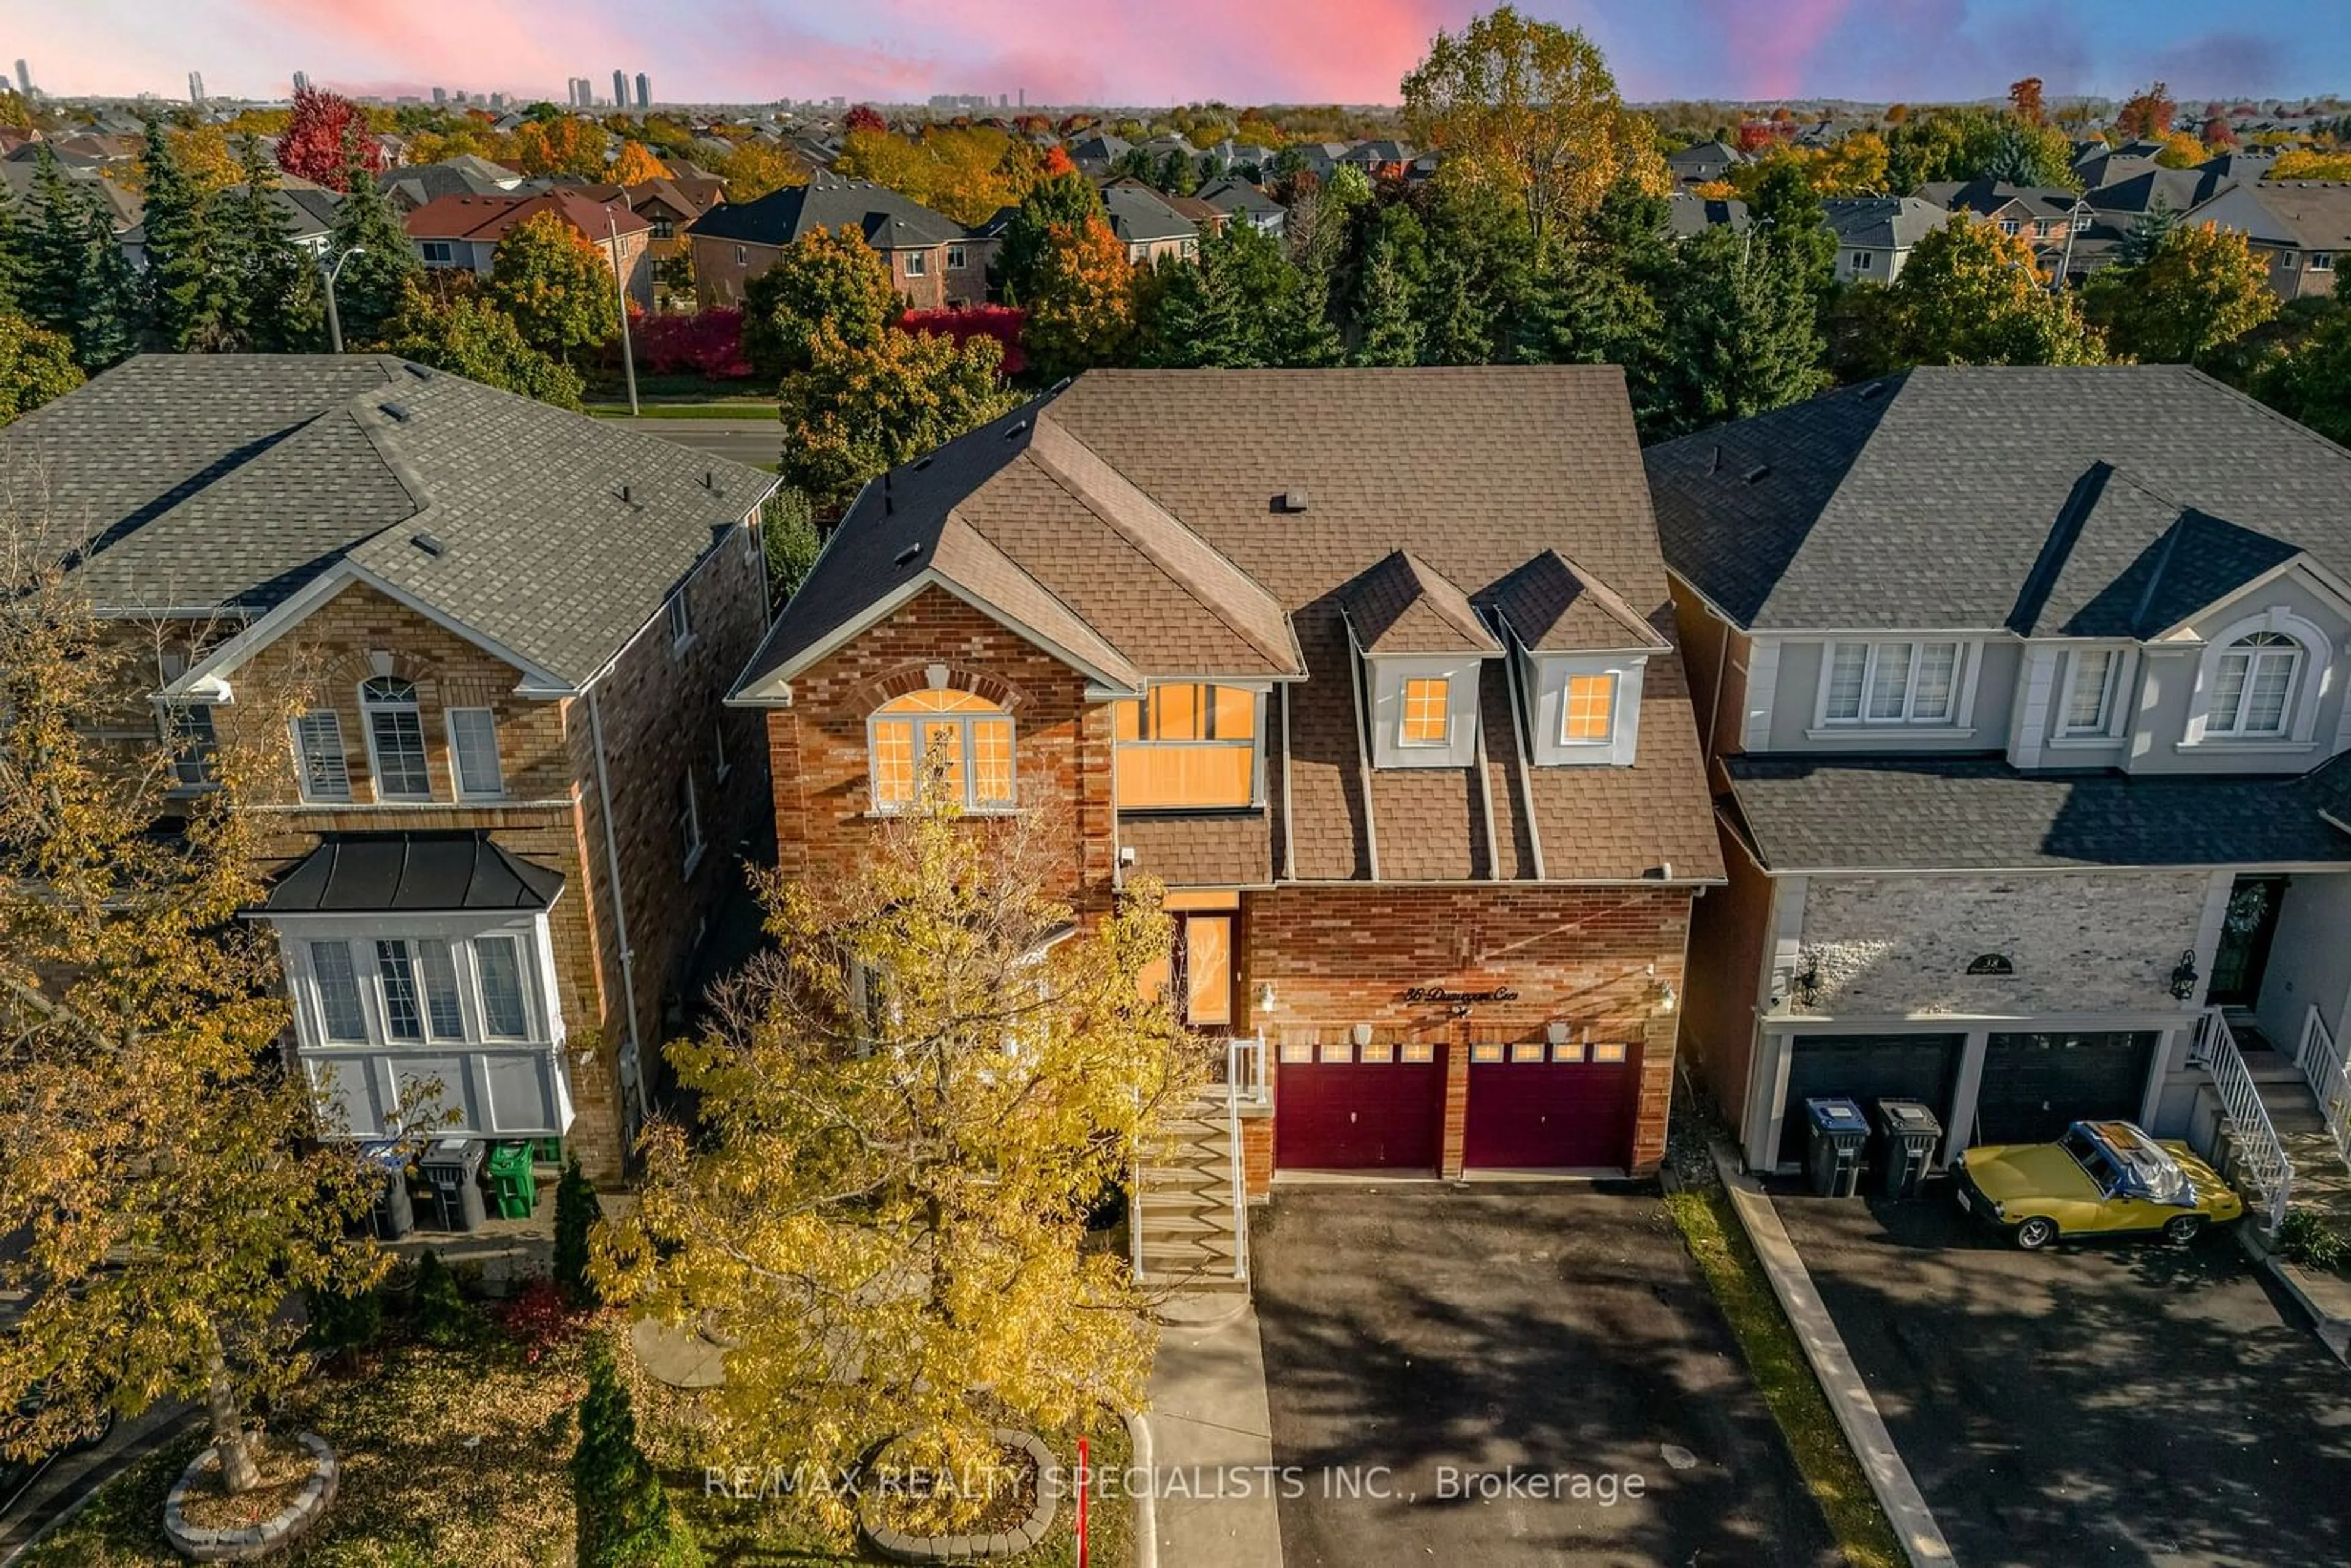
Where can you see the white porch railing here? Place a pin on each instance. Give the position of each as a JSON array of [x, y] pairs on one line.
[[1244, 1074], [2329, 1076], [1245, 1070], [2260, 1158]]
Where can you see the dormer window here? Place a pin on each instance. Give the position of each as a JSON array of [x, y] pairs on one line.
[[1588, 716], [2252, 686], [1427, 709]]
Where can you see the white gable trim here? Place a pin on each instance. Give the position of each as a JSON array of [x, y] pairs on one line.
[[2325, 583]]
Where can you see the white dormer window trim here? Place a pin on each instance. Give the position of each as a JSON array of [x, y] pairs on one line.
[[1895, 677], [2112, 667], [2308, 655], [1396, 740], [1550, 683]]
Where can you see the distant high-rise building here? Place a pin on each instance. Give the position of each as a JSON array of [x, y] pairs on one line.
[[498, 100], [619, 90], [301, 81], [196, 89], [1024, 97], [644, 91], [440, 96], [24, 78], [580, 96]]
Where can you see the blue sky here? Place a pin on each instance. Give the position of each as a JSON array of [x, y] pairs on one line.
[[1142, 51]]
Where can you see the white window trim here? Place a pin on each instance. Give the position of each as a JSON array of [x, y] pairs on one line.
[[972, 805], [375, 766], [679, 610], [1959, 723], [718, 743], [543, 1020], [1544, 681], [916, 263], [958, 256], [207, 764], [1405, 742], [457, 765], [2118, 670], [691, 819], [2316, 657], [301, 765]]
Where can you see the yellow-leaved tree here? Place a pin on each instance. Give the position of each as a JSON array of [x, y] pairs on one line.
[[161, 1188], [907, 1110], [1530, 108]]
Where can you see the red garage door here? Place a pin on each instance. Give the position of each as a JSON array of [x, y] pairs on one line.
[[1539, 1107], [1339, 1106]]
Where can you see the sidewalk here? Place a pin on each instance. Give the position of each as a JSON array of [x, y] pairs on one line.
[[1209, 1417]]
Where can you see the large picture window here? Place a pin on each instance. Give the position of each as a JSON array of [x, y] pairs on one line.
[[395, 730], [1891, 682], [964, 737], [415, 990], [1186, 745]]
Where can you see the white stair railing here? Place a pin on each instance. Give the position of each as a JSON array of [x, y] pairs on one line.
[[2329, 1076], [1244, 1061], [2260, 1156]]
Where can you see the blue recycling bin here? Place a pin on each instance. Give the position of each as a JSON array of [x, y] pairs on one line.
[[1839, 1131]]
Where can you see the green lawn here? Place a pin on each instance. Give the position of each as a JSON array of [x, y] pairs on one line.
[[1712, 1232]]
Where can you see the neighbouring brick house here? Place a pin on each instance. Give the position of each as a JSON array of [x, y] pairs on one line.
[[669, 208], [513, 796], [934, 262], [465, 231], [2020, 689], [1402, 729], [2301, 228]]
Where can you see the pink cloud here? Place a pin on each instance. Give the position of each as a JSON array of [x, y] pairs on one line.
[[1769, 44]]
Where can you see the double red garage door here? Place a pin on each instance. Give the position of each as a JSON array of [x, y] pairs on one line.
[[1380, 1105]]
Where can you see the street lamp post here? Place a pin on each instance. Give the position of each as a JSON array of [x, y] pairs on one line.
[[334, 319], [621, 298]]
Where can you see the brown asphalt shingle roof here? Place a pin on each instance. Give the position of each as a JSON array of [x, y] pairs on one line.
[[1146, 505]]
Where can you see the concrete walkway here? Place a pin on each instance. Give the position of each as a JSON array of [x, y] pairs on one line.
[[1212, 1436]]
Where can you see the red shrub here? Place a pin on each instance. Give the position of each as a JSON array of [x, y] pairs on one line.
[[539, 1318], [706, 342], [1001, 322]]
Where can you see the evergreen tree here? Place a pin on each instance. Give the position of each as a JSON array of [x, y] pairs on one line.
[[185, 310], [1592, 301], [274, 301], [1740, 337], [1386, 295], [576, 1212], [108, 298], [16, 263], [78, 281], [1221, 310], [51, 286], [1066, 201], [624, 1517], [1786, 213], [1302, 335], [369, 286], [2146, 235], [1480, 256]]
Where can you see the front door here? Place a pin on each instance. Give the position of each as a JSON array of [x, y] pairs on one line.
[[2246, 933]]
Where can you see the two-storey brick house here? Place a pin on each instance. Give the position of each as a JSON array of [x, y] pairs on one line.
[[1401, 728], [513, 795], [936, 263], [2020, 689]]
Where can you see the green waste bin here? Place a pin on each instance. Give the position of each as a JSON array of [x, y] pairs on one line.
[[512, 1181], [547, 1151]]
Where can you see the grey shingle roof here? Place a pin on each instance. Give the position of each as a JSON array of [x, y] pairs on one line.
[[1823, 814], [1139, 216], [1932, 498], [229, 481], [884, 217], [1886, 223], [1687, 214]]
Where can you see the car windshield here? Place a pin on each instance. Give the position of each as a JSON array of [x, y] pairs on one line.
[[2118, 1155]]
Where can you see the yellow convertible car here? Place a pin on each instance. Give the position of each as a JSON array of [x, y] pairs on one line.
[[2102, 1179]]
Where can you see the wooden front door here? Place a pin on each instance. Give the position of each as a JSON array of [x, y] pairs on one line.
[[2246, 933]]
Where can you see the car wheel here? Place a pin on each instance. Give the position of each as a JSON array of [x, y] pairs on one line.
[[2183, 1228], [2036, 1233]]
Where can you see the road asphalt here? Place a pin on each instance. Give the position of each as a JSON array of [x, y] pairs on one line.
[[757, 442]]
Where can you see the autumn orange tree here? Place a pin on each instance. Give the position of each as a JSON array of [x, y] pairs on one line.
[[636, 164], [556, 285], [1080, 302], [907, 1110], [564, 145], [1968, 296], [857, 409], [1530, 108], [160, 1177]]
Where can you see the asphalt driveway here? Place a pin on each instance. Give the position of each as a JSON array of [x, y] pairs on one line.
[[2115, 1402], [1550, 1330]]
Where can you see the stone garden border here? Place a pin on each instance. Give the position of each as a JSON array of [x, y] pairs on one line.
[[274, 1534], [900, 1547]]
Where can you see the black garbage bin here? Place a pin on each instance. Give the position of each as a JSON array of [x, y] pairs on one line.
[[394, 1215], [1908, 1133], [1838, 1133], [454, 1166]]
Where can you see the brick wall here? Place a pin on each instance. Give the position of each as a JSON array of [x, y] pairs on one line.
[[817, 747], [2081, 942], [1342, 955], [718, 278]]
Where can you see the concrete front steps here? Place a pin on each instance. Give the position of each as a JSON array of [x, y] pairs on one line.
[[1185, 1199], [2321, 1179]]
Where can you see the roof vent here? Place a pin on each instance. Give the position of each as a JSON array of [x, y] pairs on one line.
[[1715, 466], [1016, 430], [426, 542], [421, 373], [1757, 474], [921, 462], [906, 556], [396, 411], [624, 493], [710, 478], [1293, 501], [1874, 390]]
